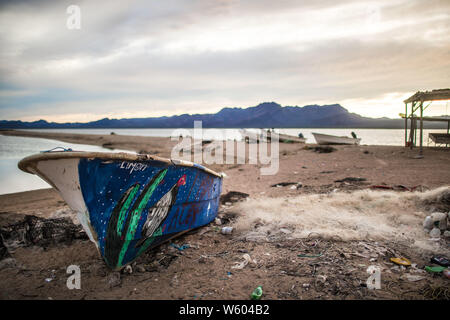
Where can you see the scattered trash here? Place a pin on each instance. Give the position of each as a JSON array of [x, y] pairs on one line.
[[180, 248], [435, 269], [128, 269], [322, 278], [247, 260], [257, 293], [401, 261], [442, 261], [412, 278], [446, 273], [227, 230], [52, 277], [218, 221]]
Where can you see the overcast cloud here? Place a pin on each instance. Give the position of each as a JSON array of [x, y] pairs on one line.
[[154, 58]]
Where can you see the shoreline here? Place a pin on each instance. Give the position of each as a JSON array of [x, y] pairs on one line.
[[204, 271]]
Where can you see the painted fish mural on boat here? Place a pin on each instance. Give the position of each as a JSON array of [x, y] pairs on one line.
[[130, 203]]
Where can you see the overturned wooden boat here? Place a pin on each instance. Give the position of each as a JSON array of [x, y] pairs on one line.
[[330, 139], [128, 203]]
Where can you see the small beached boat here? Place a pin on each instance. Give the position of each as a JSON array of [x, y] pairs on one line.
[[128, 203], [329, 139], [287, 138], [250, 136]]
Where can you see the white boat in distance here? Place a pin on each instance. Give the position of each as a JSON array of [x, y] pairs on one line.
[[329, 139], [266, 136]]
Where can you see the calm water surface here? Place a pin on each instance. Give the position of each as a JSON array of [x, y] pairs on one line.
[[13, 149]]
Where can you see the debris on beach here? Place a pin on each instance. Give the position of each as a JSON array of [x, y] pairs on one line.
[[233, 196], [401, 261], [226, 230], [440, 260], [247, 260], [31, 230], [321, 149], [294, 185], [437, 224], [180, 248], [351, 179]]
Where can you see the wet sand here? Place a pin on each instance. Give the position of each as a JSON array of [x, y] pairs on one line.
[[204, 270]]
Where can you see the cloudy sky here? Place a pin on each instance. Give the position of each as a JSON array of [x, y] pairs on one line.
[[154, 58]]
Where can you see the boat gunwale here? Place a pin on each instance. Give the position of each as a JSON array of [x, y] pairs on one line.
[[30, 161]]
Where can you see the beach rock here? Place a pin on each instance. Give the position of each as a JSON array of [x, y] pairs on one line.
[[435, 233], [439, 220], [438, 216], [428, 223], [140, 268]]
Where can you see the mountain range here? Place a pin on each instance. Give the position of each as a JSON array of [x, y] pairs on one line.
[[264, 115]]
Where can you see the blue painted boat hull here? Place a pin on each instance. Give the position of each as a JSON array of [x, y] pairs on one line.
[[129, 205]]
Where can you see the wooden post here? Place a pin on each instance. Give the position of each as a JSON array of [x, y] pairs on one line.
[[406, 124], [421, 128]]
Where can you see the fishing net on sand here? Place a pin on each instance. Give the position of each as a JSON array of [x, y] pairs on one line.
[[32, 230]]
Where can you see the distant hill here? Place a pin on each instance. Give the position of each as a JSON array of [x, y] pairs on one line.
[[264, 115]]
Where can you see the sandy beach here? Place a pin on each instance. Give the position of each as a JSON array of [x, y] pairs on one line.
[[314, 255]]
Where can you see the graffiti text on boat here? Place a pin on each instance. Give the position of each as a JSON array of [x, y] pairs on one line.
[[133, 166]]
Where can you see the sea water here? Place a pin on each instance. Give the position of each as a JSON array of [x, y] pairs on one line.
[[13, 149], [389, 137]]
